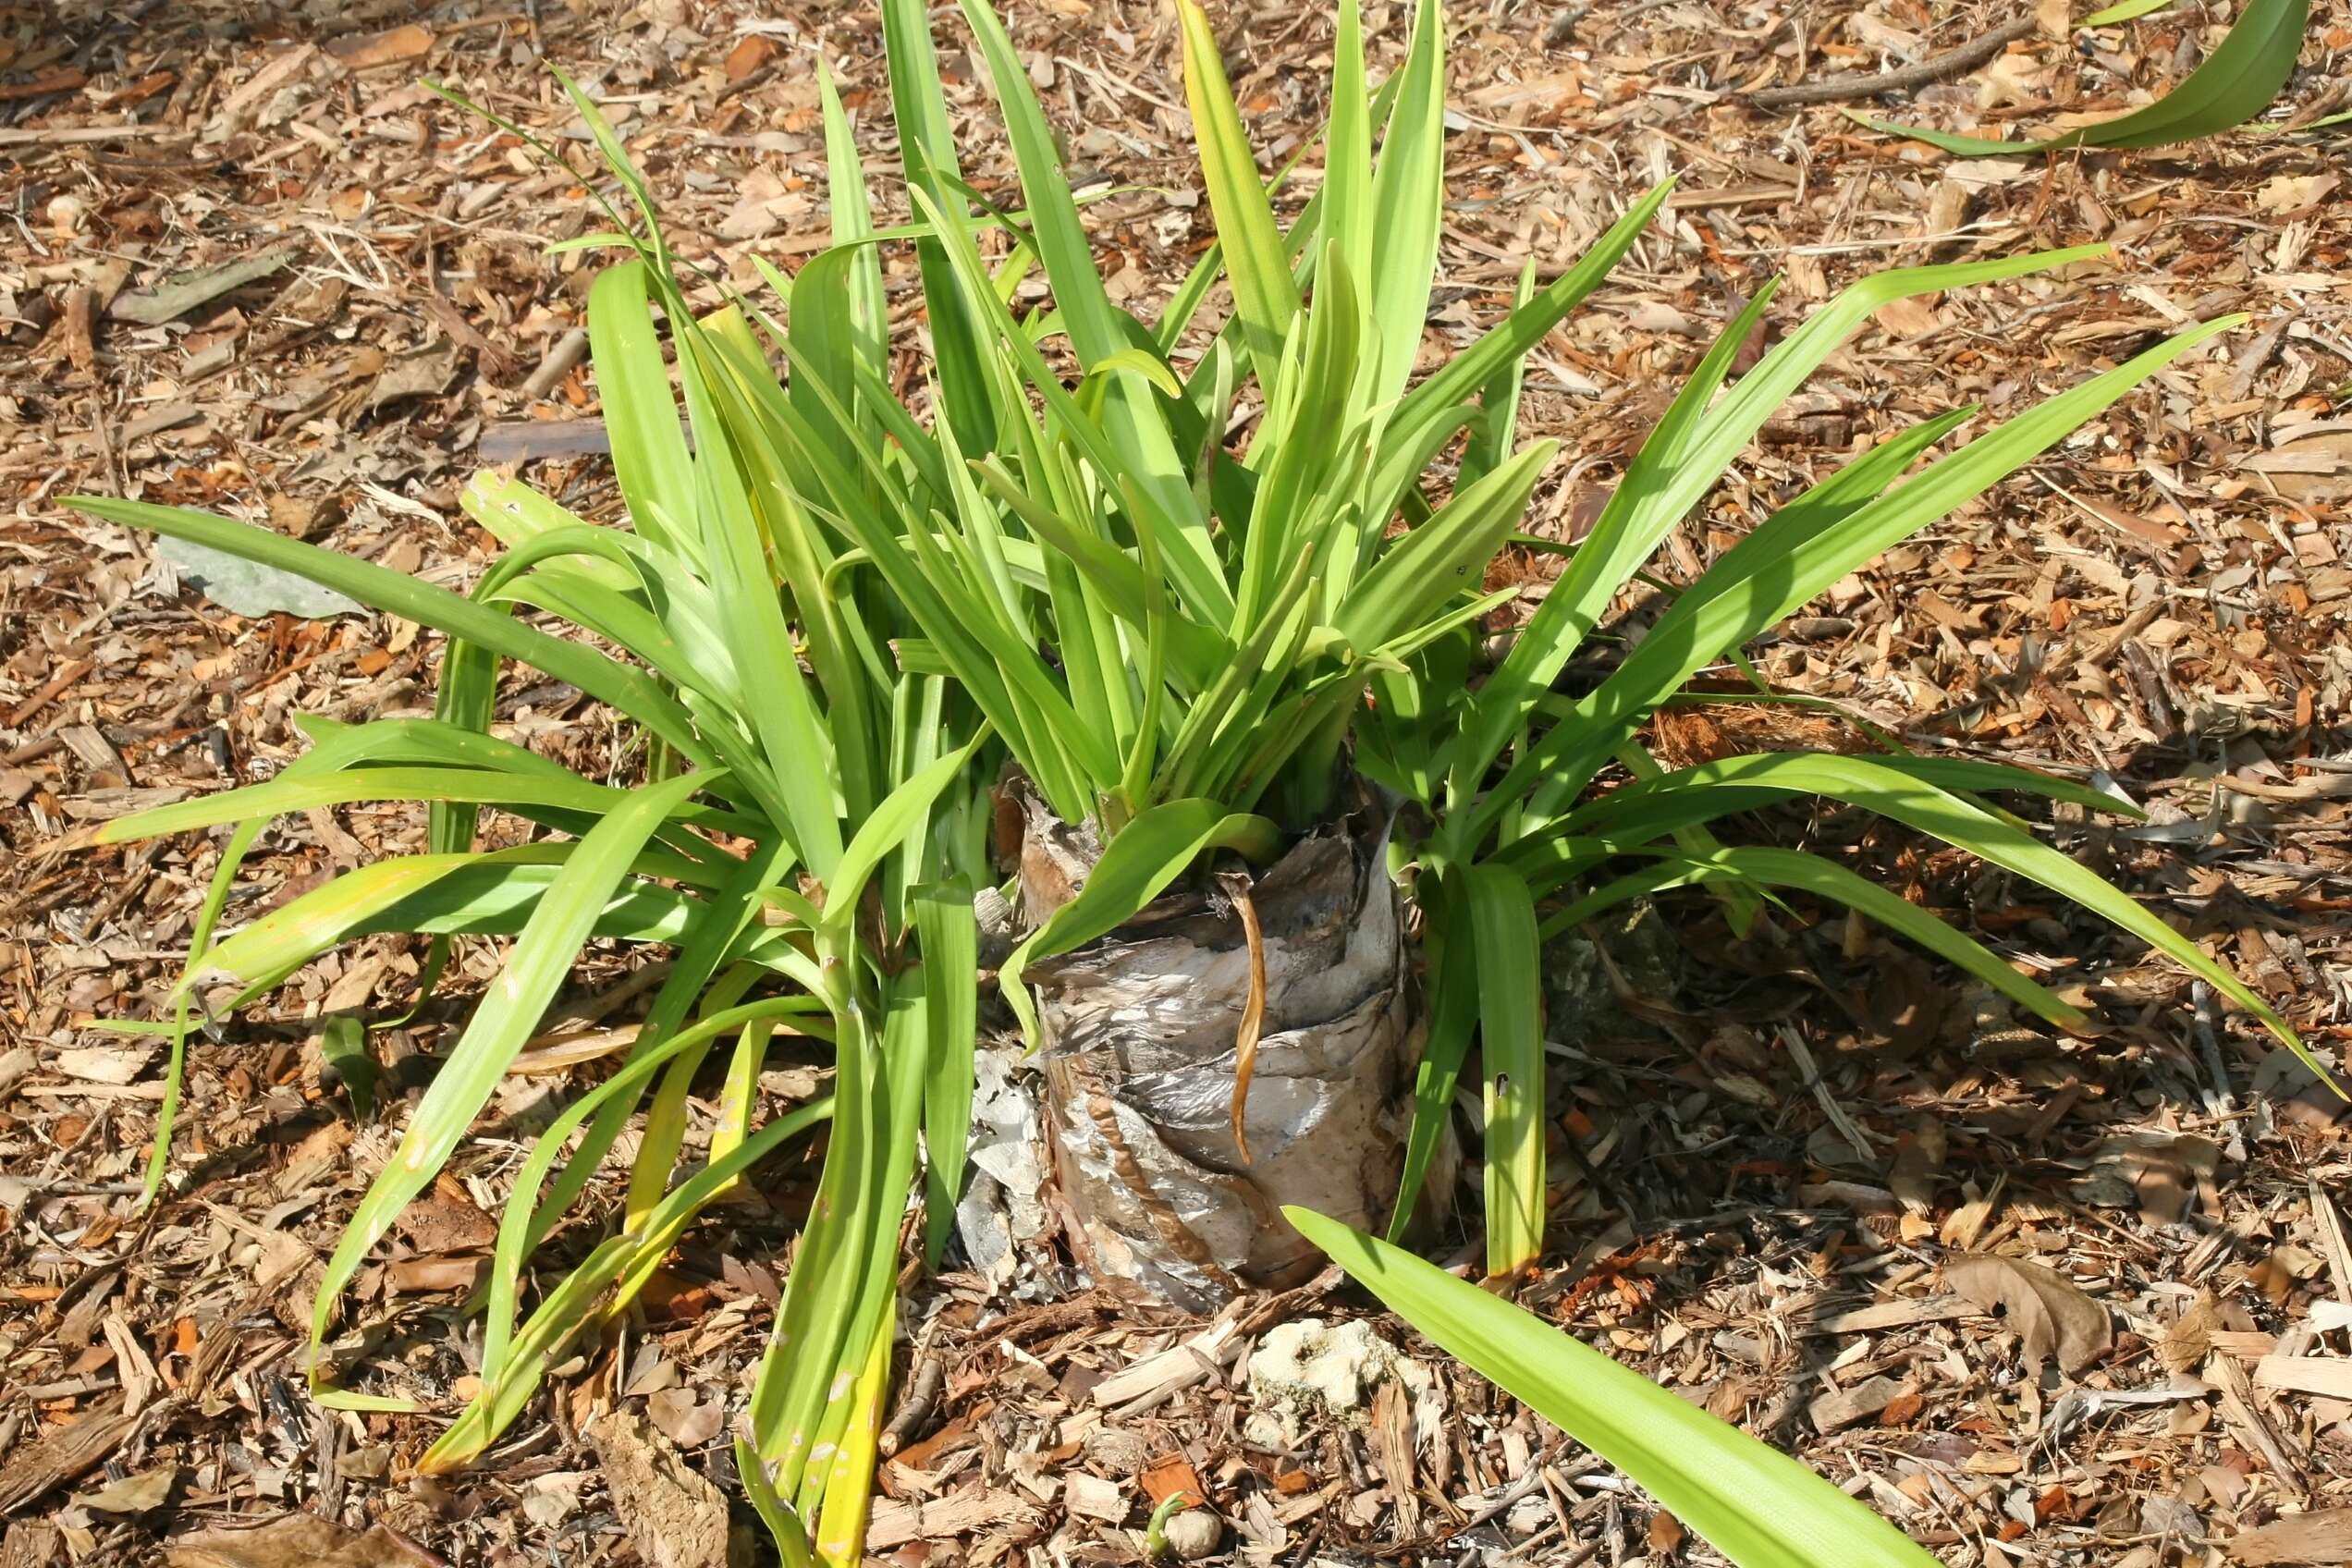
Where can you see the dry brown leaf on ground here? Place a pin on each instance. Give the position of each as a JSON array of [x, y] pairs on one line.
[[2322, 1537], [2315, 466], [2054, 1318], [676, 1517], [2158, 1172], [142, 1492], [398, 47], [297, 1540], [685, 1417], [2189, 1338]]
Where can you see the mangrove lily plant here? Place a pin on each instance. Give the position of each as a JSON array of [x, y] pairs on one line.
[[839, 618]]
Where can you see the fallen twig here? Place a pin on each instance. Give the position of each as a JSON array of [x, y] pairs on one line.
[[916, 1410], [1935, 67], [82, 135], [569, 349]]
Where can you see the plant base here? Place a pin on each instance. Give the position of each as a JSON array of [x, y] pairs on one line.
[[1139, 1057]]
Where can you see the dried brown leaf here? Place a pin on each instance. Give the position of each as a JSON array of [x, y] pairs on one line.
[[675, 1515], [297, 1540], [396, 47], [2052, 1317], [2190, 1337], [2320, 1537]]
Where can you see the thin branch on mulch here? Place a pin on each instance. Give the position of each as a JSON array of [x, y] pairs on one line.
[[1934, 68]]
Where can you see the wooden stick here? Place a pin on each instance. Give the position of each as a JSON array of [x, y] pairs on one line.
[[1935, 67], [77, 135]]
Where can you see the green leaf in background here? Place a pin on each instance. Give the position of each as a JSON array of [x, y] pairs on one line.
[[1756, 1505], [2323, 123], [2130, 10], [343, 1046], [2236, 83]]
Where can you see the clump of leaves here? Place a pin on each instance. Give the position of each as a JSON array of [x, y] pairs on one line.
[[836, 615]]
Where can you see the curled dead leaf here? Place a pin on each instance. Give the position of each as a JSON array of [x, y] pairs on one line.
[[676, 1516], [2054, 1318], [297, 1540]]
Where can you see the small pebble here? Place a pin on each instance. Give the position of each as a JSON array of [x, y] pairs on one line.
[[68, 216], [1194, 1534]]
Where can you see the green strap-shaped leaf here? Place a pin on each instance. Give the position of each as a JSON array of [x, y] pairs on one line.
[[617, 685], [536, 966], [288, 937], [1496, 430], [901, 812], [1884, 786], [1443, 556], [572, 1304], [1780, 569], [926, 149], [1301, 457], [289, 791], [1408, 204], [506, 1376], [1346, 217], [1454, 1017], [1683, 459], [2236, 83], [1826, 878], [1131, 417], [649, 459], [1510, 969], [852, 215], [803, 769], [1264, 296], [2128, 11], [948, 934], [1458, 380], [837, 1489], [1756, 1505]]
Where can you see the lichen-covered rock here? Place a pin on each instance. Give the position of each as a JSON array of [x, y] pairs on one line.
[[1310, 1374], [1580, 997]]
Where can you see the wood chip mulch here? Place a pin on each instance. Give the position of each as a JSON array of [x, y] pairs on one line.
[[2039, 1300]]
